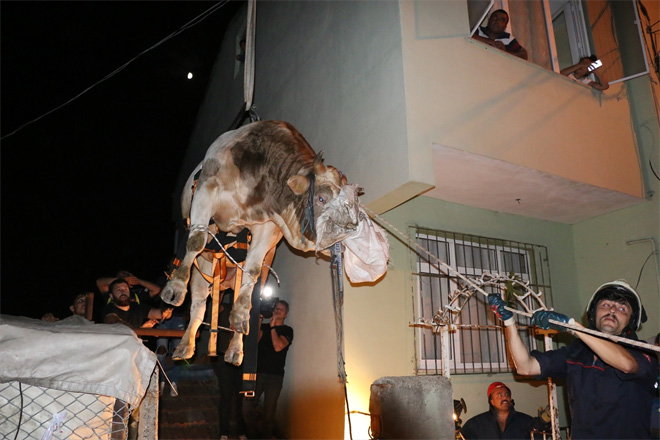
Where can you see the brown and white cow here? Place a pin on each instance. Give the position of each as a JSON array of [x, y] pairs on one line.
[[266, 177]]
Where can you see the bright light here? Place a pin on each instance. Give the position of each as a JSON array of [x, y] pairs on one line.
[[268, 292], [190, 75]]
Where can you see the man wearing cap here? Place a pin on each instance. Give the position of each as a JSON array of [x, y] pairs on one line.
[[501, 421], [610, 385]]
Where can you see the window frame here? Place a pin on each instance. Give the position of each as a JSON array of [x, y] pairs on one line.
[[578, 35], [430, 278]]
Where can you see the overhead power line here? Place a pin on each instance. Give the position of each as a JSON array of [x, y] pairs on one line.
[[195, 21]]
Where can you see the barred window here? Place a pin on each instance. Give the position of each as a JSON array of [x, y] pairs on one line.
[[477, 346]]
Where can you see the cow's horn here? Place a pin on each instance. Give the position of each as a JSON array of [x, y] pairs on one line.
[[318, 163]]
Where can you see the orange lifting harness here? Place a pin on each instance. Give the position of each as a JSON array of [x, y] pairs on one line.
[[220, 263]]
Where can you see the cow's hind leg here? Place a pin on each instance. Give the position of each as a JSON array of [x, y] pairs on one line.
[[199, 291], [175, 290], [264, 238]]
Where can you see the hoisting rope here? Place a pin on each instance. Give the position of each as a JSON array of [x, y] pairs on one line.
[[337, 275], [247, 108], [384, 223], [248, 73]]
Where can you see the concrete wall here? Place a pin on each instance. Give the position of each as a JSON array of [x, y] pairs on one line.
[[337, 75]]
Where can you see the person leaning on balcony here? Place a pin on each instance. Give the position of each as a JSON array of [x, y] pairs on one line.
[[501, 420], [609, 384], [494, 35], [580, 72]]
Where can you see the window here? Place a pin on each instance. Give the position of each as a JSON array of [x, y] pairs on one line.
[[478, 345], [557, 33]]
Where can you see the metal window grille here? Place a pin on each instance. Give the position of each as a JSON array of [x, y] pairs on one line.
[[478, 345]]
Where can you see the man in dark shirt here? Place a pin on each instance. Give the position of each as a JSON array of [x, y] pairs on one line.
[[609, 384], [501, 420], [494, 35], [123, 310], [275, 338]]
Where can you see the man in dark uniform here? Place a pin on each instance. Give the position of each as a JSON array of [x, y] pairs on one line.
[[501, 421], [610, 385]]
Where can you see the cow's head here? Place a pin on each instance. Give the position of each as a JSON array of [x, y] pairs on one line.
[[331, 206]]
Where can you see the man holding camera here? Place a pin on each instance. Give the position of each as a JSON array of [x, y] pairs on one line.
[[586, 72], [275, 338]]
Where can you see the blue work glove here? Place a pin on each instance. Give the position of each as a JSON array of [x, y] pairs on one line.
[[497, 305], [541, 319]]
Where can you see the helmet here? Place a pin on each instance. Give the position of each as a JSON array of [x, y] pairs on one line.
[[618, 290]]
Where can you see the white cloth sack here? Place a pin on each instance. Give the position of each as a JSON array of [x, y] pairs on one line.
[[367, 252]]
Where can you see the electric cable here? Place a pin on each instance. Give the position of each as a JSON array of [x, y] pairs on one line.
[[642, 269], [20, 414], [195, 21]]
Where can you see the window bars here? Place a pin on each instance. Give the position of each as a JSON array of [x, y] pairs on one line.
[[477, 345]]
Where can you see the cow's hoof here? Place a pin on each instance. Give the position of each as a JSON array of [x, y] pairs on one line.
[[240, 321], [174, 293], [183, 351], [234, 357]]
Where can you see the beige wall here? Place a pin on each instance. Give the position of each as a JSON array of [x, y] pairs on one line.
[[475, 98], [618, 244]]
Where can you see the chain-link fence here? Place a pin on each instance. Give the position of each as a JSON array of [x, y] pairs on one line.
[[32, 412]]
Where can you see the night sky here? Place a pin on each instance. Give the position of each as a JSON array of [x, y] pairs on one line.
[[88, 189]]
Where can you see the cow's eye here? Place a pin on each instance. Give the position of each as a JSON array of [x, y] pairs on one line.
[[321, 199]]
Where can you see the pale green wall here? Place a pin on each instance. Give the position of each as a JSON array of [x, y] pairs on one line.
[[378, 339]]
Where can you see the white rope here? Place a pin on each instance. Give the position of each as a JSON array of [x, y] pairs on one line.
[[162, 369], [474, 286], [203, 228], [248, 72]]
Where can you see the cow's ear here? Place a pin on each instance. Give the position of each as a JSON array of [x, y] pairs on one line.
[[298, 184]]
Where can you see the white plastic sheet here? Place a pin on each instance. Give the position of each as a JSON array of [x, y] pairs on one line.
[[75, 355]]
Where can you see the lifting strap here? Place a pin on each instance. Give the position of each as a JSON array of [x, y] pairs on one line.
[[236, 247], [337, 275], [217, 297], [250, 345]]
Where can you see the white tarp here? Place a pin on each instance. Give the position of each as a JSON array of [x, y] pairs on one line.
[[75, 355]]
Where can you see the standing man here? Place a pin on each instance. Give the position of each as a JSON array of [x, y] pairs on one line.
[[610, 385], [275, 338], [501, 421], [494, 34], [128, 312]]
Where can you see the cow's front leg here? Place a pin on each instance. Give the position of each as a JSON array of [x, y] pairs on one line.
[[265, 237], [234, 353], [175, 290], [239, 318], [199, 291]]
